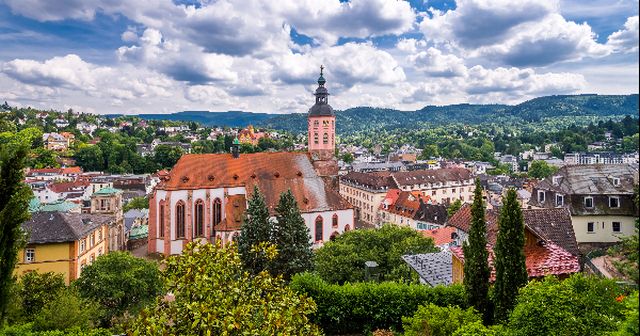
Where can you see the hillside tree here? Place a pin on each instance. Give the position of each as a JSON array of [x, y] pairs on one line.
[[256, 228], [476, 263], [14, 203], [509, 261], [292, 239]]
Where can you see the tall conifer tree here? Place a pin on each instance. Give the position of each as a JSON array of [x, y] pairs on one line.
[[511, 271], [14, 203], [292, 239], [476, 264], [256, 228]]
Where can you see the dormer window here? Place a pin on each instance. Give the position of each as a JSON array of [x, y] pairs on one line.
[[614, 201], [615, 181], [556, 180], [588, 202], [559, 200], [540, 196]]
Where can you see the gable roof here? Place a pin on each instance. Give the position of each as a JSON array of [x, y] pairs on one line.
[[593, 179], [59, 227], [273, 173], [433, 268], [440, 236], [431, 176], [375, 180], [551, 225]]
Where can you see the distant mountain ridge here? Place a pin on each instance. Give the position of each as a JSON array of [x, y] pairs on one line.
[[358, 118]]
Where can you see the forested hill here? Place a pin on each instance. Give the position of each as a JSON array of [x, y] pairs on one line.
[[360, 118]]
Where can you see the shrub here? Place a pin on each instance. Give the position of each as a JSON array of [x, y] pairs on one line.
[[438, 321], [342, 260], [477, 329], [39, 289], [65, 312], [580, 305], [27, 330], [363, 307]]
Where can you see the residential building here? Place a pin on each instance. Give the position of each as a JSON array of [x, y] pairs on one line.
[[250, 136], [108, 201], [443, 186], [600, 158], [63, 243], [511, 161], [55, 141], [599, 197], [550, 243], [366, 191], [412, 209]]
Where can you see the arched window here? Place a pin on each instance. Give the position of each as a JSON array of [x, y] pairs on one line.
[[315, 138], [199, 219], [347, 228], [217, 211], [334, 221], [316, 123], [180, 220], [325, 138], [319, 226], [161, 220]]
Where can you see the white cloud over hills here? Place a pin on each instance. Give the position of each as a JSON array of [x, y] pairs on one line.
[[229, 54]]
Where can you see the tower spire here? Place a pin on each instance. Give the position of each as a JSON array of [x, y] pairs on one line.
[[321, 79]]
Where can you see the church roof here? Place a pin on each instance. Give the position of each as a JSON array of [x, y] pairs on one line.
[[273, 173]]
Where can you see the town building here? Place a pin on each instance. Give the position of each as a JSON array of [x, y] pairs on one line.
[[607, 158], [366, 191], [204, 197], [63, 243], [108, 201], [412, 209], [250, 136], [56, 142], [599, 197], [550, 243]]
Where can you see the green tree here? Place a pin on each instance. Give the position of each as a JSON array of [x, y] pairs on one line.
[[43, 158], [214, 295], [629, 327], [430, 151], [476, 264], [509, 261], [541, 169], [438, 321], [578, 306], [454, 207], [166, 156], [90, 158], [14, 201], [119, 282], [66, 311], [136, 203], [292, 239], [39, 289], [347, 158], [342, 260], [256, 228]]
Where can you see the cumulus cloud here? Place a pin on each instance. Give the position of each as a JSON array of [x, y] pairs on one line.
[[523, 33], [435, 63], [626, 39]]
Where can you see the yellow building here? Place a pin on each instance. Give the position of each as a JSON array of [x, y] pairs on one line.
[[63, 243]]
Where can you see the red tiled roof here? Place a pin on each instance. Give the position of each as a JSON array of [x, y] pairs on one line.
[[431, 176], [274, 173], [440, 236], [390, 198], [540, 260], [462, 220], [67, 186], [407, 203], [45, 171], [72, 170]]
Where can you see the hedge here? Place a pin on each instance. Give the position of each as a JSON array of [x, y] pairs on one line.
[[367, 306]]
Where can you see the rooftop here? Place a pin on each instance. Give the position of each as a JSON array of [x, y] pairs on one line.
[[58, 227]]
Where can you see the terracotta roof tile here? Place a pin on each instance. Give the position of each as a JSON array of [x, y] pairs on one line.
[[440, 236], [274, 173], [68, 186]]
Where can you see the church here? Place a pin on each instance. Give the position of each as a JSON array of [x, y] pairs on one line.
[[204, 197]]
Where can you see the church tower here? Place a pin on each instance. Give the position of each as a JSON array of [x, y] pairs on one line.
[[322, 131]]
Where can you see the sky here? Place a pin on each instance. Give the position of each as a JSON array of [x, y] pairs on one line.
[[164, 56]]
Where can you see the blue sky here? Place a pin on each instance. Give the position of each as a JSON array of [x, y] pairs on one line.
[[161, 56]]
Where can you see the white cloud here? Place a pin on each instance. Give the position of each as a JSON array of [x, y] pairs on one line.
[[435, 63], [626, 39]]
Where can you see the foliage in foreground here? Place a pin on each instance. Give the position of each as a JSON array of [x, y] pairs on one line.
[[580, 305], [342, 260], [355, 308], [119, 283], [28, 330], [214, 295], [438, 321]]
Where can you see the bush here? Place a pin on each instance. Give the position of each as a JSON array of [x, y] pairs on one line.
[[439, 321], [363, 307], [39, 289], [580, 305], [27, 330], [477, 329], [65, 312], [342, 260]]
